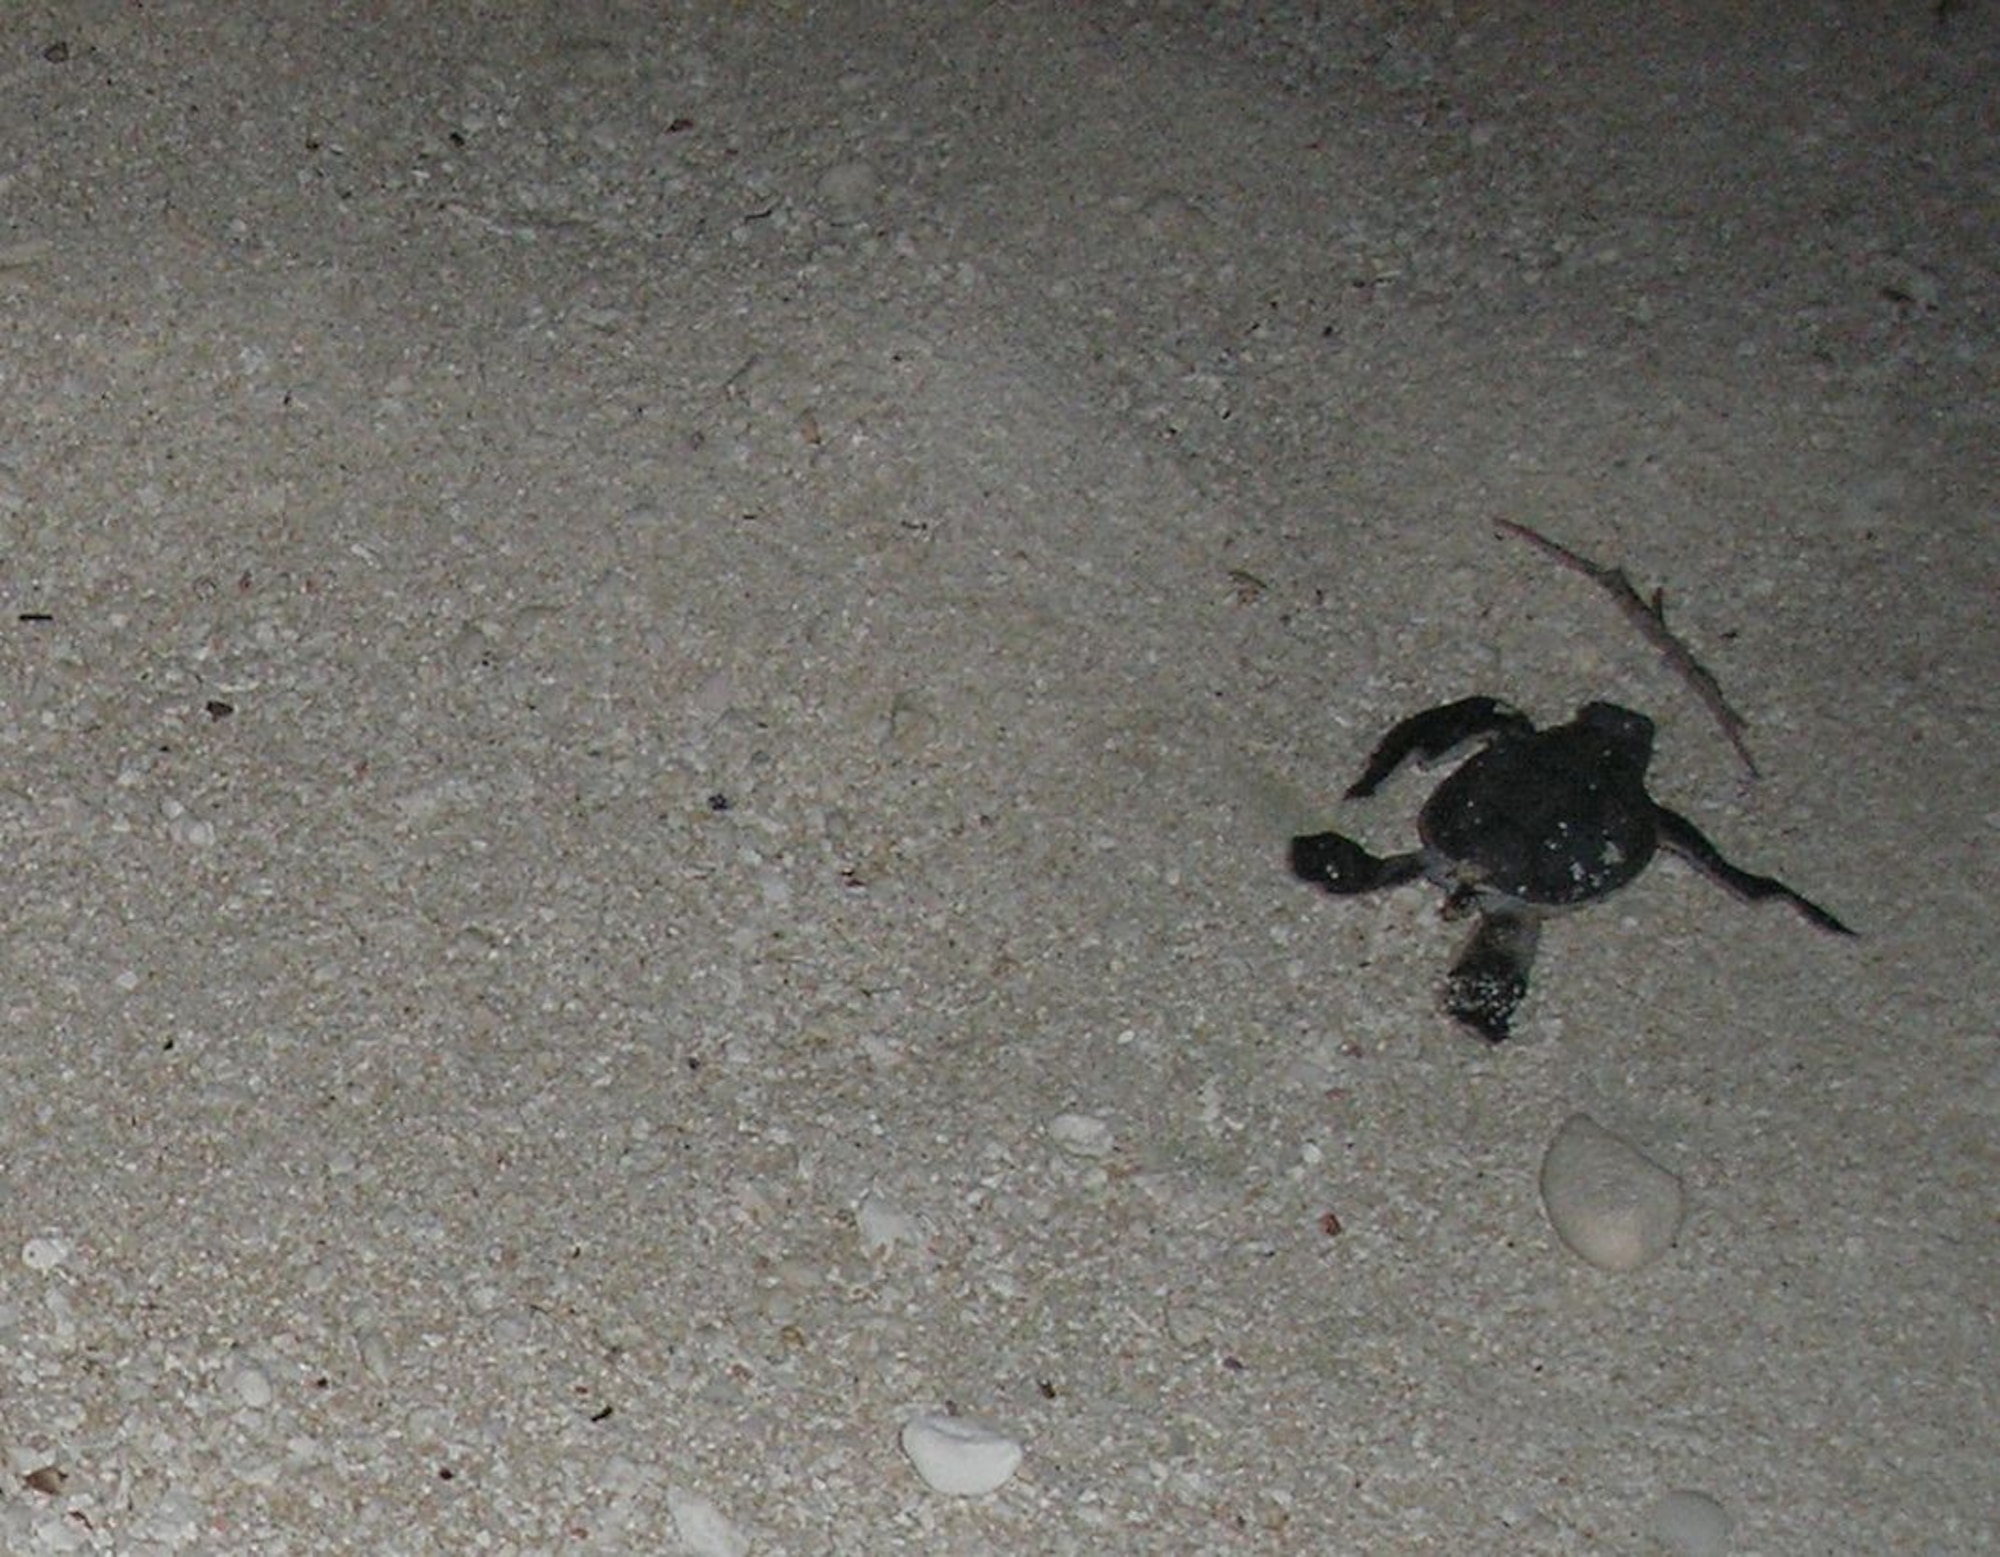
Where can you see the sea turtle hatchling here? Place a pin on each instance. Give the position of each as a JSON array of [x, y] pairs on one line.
[[1537, 822]]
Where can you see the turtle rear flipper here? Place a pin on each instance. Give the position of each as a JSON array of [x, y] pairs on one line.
[[1436, 733], [1488, 982], [1341, 866], [1688, 841]]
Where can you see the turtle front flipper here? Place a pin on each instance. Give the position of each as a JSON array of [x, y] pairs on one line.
[[1688, 841], [1490, 978], [1341, 866], [1435, 733]]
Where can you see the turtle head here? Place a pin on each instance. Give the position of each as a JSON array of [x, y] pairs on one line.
[[1627, 734]]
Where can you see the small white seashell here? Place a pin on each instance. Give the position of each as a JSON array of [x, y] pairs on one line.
[[960, 1455], [1691, 1524], [1614, 1206], [703, 1528]]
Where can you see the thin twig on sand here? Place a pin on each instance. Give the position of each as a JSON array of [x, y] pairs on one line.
[[1650, 617]]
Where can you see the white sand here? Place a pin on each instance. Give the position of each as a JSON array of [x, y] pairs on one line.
[[664, 624]]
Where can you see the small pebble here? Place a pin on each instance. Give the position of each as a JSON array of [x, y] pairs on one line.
[[1614, 1206], [703, 1528], [1081, 1135], [1189, 1324], [960, 1455], [1690, 1524], [883, 1226], [253, 1386], [374, 1350]]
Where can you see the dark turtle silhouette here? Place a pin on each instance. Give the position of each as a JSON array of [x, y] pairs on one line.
[[1537, 822]]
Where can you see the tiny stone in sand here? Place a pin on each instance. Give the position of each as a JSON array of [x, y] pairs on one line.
[[960, 1455], [1614, 1206], [1690, 1524], [1081, 1135]]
